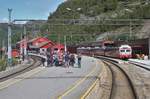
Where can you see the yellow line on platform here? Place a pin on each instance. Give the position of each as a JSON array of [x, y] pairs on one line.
[[89, 90], [12, 81], [77, 84], [92, 86]]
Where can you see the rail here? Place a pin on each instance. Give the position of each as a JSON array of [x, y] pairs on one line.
[[146, 67], [4, 75], [124, 73]]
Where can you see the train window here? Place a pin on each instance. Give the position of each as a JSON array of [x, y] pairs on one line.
[[89, 48], [62, 49], [122, 50], [96, 47], [127, 50], [109, 44], [56, 49]]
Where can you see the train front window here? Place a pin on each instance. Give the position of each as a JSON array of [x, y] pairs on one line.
[[55, 49], [61, 49], [127, 50], [122, 50]]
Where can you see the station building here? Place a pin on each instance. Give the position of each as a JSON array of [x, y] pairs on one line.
[[40, 44]]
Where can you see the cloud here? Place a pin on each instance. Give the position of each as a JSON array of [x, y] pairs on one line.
[[4, 20], [47, 14], [20, 22]]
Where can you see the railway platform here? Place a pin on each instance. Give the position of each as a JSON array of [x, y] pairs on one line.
[[52, 82], [96, 79], [144, 62]]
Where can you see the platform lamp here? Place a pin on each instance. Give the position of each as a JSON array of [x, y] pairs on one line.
[[25, 41], [9, 54], [65, 43], [71, 10], [149, 45]]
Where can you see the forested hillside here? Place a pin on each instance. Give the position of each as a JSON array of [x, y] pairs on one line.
[[93, 8], [97, 10], [111, 19]]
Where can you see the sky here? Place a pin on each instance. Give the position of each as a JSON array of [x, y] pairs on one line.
[[28, 9]]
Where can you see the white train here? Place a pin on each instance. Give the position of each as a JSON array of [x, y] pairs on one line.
[[123, 52]]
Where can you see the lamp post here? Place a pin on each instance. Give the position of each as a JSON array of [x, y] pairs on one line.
[[21, 49], [9, 39], [69, 9], [149, 45], [25, 42], [130, 30], [65, 43], [130, 24]]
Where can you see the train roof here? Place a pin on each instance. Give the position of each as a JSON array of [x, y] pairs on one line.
[[123, 46]]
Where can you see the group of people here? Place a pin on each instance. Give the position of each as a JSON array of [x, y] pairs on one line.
[[62, 59], [142, 56], [70, 60]]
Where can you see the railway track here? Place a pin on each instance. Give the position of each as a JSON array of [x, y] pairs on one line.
[[140, 65], [120, 85], [35, 64]]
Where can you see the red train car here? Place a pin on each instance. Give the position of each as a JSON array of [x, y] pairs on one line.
[[107, 48], [58, 52], [15, 53]]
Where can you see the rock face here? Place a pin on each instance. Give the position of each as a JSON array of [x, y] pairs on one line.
[[145, 30]]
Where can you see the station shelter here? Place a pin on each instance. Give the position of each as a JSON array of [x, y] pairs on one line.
[[40, 44]]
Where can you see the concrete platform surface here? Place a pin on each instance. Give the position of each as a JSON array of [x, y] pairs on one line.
[[146, 62], [51, 82]]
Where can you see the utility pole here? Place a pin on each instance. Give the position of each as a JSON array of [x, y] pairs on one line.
[[3, 49], [9, 39], [65, 43], [74, 19], [130, 30], [149, 46], [25, 42], [21, 45]]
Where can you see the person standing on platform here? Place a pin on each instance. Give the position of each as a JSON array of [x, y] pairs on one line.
[[79, 60], [66, 58], [72, 60], [48, 58], [43, 61]]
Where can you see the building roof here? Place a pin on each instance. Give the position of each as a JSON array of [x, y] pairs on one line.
[[30, 41], [40, 40], [40, 45], [58, 46]]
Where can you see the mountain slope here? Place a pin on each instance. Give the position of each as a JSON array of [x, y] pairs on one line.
[[99, 10]]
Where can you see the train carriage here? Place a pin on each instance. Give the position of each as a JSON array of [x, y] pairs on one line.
[[123, 52]]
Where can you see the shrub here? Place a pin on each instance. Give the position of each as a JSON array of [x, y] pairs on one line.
[[3, 65], [14, 61]]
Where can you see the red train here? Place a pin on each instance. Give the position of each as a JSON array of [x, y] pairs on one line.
[[111, 48], [123, 52]]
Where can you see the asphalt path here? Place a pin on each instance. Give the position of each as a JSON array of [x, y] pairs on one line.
[[52, 82]]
